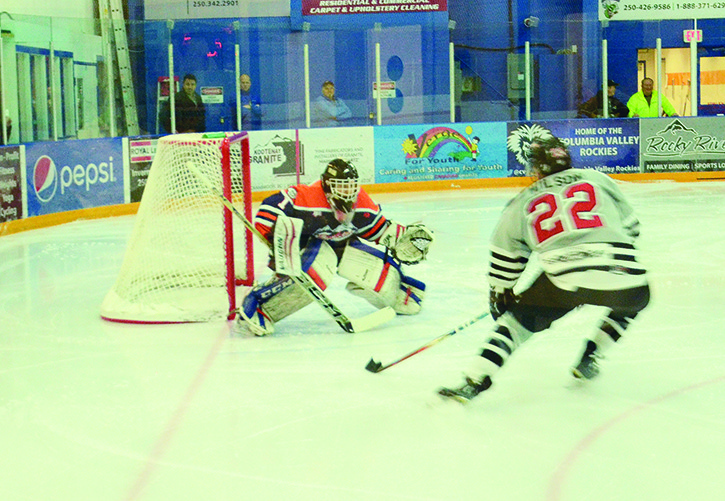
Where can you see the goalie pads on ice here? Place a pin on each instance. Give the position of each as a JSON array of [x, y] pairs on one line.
[[380, 280], [280, 296], [408, 244]]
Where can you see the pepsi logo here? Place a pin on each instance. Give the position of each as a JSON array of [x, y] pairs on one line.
[[45, 178]]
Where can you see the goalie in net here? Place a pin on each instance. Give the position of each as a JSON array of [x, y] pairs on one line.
[[333, 227]]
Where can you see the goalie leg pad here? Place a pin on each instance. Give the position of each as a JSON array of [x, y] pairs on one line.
[[252, 313], [371, 275], [379, 279], [280, 296], [319, 261], [270, 302], [410, 296]]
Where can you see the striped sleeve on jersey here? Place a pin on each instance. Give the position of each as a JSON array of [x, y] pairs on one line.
[[374, 230], [365, 206], [265, 220], [506, 267], [268, 212], [631, 226]]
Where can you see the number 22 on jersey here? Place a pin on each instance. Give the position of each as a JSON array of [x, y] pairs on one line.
[[554, 219]]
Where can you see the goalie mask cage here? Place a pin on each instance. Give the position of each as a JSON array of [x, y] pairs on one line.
[[186, 253]]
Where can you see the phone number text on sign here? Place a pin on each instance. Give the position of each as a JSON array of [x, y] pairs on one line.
[[214, 3], [646, 10], [701, 5]]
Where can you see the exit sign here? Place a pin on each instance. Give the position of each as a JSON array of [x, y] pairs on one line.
[[690, 35]]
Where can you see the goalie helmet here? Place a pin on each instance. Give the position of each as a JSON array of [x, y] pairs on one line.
[[341, 184], [548, 156]]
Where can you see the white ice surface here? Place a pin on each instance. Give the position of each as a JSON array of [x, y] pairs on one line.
[[94, 410]]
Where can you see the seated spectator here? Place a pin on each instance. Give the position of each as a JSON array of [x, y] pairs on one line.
[[8, 130], [594, 107], [328, 110]]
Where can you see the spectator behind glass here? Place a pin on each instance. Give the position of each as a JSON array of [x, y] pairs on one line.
[[644, 103], [8, 130], [328, 110], [251, 106], [8, 124], [594, 107], [190, 111]]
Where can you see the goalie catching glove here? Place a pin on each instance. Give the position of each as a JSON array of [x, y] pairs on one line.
[[408, 244]]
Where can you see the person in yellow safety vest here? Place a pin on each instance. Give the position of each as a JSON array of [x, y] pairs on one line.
[[644, 103]]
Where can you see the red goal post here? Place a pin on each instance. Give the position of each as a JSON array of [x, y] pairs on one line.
[[187, 254]]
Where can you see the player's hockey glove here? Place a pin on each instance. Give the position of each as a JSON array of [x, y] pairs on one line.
[[499, 301], [408, 244]]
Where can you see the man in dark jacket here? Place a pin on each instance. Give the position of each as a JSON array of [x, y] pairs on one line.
[[594, 108], [190, 111]]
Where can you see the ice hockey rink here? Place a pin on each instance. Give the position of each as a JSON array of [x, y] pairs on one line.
[[95, 410]]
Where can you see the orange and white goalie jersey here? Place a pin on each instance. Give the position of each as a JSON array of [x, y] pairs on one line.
[[309, 203], [581, 227]]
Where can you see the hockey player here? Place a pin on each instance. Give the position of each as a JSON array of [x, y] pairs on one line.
[[331, 227], [583, 230]]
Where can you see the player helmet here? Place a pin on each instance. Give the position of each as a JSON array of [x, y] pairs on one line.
[[548, 156], [341, 184]]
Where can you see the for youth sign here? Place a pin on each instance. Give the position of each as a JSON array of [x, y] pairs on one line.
[[452, 151]]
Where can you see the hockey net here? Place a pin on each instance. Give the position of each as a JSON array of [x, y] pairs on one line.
[[186, 253]]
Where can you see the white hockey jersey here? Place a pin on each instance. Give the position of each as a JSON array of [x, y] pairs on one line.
[[582, 228]]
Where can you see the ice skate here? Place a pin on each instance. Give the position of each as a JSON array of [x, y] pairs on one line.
[[466, 392], [588, 367]]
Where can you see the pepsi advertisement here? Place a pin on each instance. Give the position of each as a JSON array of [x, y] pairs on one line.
[[71, 175]]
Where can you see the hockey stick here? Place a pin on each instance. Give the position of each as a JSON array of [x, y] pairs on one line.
[[351, 325], [376, 367]]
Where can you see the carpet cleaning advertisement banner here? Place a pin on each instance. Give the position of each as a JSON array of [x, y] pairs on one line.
[[328, 7], [656, 10], [274, 155], [609, 146], [682, 145], [456, 151], [70, 175], [11, 197]]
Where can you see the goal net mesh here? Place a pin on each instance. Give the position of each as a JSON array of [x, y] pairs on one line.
[[185, 247]]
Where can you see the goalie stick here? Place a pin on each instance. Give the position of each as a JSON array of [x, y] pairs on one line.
[[376, 367], [348, 324]]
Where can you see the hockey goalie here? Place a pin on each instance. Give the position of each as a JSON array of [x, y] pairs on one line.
[[332, 227]]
